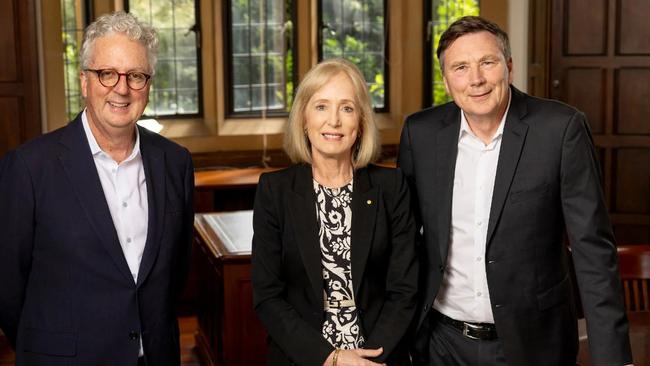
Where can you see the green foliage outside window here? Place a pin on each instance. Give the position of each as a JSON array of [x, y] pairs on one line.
[[446, 12], [354, 29]]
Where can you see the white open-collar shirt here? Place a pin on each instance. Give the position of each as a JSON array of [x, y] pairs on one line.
[[464, 293]]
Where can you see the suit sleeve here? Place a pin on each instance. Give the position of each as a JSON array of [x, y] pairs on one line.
[[302, 343], [400, 299], [593, 247], [185, 246], [405, 164], [16, 242]]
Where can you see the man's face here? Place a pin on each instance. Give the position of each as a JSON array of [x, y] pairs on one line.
[[477, 76], [117, 107]]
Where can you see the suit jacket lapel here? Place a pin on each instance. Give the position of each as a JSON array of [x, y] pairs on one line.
[[514, 135], [302, 209], [446, 152], [153, 159], [364, 213], [80, 168]]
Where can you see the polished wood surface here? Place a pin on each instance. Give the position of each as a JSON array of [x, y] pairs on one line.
[[188, 326], [226, 189]]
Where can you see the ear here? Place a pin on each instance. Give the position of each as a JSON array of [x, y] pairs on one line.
[[509, 65], [83, 77]]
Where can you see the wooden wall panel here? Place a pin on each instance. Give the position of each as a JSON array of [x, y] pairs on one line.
[[586, 23], [585, 92], [7, 43], [9, 123], [631, 234], [20, 117], [634, 32], [633, 91], [632, 181]]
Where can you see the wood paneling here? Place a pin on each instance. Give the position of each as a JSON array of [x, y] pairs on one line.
[[632, 181], [585, 92], [10, 135], [7, 43], [633, 101], [603, 68], [586, 22], [634, 34], [20, 117]]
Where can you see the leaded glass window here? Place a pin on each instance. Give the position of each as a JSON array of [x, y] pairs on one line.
[[260, 38], [176, 87], [356, 30], [441, 14], [74, 18]]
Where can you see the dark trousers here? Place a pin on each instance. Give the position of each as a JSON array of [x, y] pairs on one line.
[[447, 346], [141, 361]]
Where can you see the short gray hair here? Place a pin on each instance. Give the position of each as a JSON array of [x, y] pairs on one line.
[[120, 22]]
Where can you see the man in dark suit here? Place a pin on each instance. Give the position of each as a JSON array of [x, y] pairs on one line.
[[497, 178], [96, 220]]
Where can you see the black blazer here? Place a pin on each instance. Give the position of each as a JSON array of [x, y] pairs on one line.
[[287, 273], [547, 181], [67, 295]]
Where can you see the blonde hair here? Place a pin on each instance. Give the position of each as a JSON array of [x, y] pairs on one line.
[[296, 143]]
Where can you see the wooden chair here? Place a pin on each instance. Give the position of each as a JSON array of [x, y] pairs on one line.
[[634, 267]]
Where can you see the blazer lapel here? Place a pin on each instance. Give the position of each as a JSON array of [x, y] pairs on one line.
[[364, 213], [302, 208], [79, 166], [446, 152], [153, 159], [514, 135]]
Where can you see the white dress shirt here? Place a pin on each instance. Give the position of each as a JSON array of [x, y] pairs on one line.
[[125, 189], [464, 293]]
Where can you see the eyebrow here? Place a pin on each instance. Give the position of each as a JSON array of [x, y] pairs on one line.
[[329, 100], [486, 57]]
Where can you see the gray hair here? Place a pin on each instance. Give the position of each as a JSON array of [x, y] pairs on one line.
[[121, 23]]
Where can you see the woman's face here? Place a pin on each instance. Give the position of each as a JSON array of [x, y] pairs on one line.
[[332, 120]]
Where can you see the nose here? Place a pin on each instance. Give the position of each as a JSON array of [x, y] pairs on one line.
[[334, 119], [121, 87], [476, 75]]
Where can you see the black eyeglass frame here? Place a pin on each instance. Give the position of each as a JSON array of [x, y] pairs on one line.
[[147, 77]]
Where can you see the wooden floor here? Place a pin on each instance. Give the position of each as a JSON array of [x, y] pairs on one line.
[[189, 357]]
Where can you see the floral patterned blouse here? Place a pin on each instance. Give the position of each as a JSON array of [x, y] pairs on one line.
[[341, 327]]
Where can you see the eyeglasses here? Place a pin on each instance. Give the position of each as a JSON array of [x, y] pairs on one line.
[[109, 78]]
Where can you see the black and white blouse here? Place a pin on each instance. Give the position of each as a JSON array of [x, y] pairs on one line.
[[341, 327]]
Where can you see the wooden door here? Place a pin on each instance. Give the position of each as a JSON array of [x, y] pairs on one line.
[[20, 117], [600, 63]]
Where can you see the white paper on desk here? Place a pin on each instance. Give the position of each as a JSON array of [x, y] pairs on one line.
[[235, 229]]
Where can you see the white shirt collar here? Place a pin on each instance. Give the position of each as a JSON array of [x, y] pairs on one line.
[[94, 146]]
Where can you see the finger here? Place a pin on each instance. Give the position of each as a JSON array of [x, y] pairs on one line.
[[369, 352]]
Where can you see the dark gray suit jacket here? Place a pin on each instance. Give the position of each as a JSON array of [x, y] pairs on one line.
[[67, 295], [287, 272], [547, 181]]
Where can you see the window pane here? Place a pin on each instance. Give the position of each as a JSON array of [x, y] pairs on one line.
[[176, 85], [73, 23], [445, 12], [355, 29], [260, 35]]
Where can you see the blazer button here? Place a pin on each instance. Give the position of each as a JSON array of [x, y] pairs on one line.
[[441, 268], [134, 336]]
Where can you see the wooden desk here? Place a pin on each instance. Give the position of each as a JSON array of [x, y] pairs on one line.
[[229, 332], [227, 189], [639, 338]]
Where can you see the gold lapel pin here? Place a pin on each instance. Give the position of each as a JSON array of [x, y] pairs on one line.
[[369, 202]]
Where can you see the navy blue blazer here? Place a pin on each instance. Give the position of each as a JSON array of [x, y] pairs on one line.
[[67, 295]]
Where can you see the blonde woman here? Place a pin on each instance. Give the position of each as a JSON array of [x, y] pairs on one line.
[[334, 270]]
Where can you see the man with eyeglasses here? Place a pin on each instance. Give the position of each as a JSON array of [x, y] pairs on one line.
[[96, 220]]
